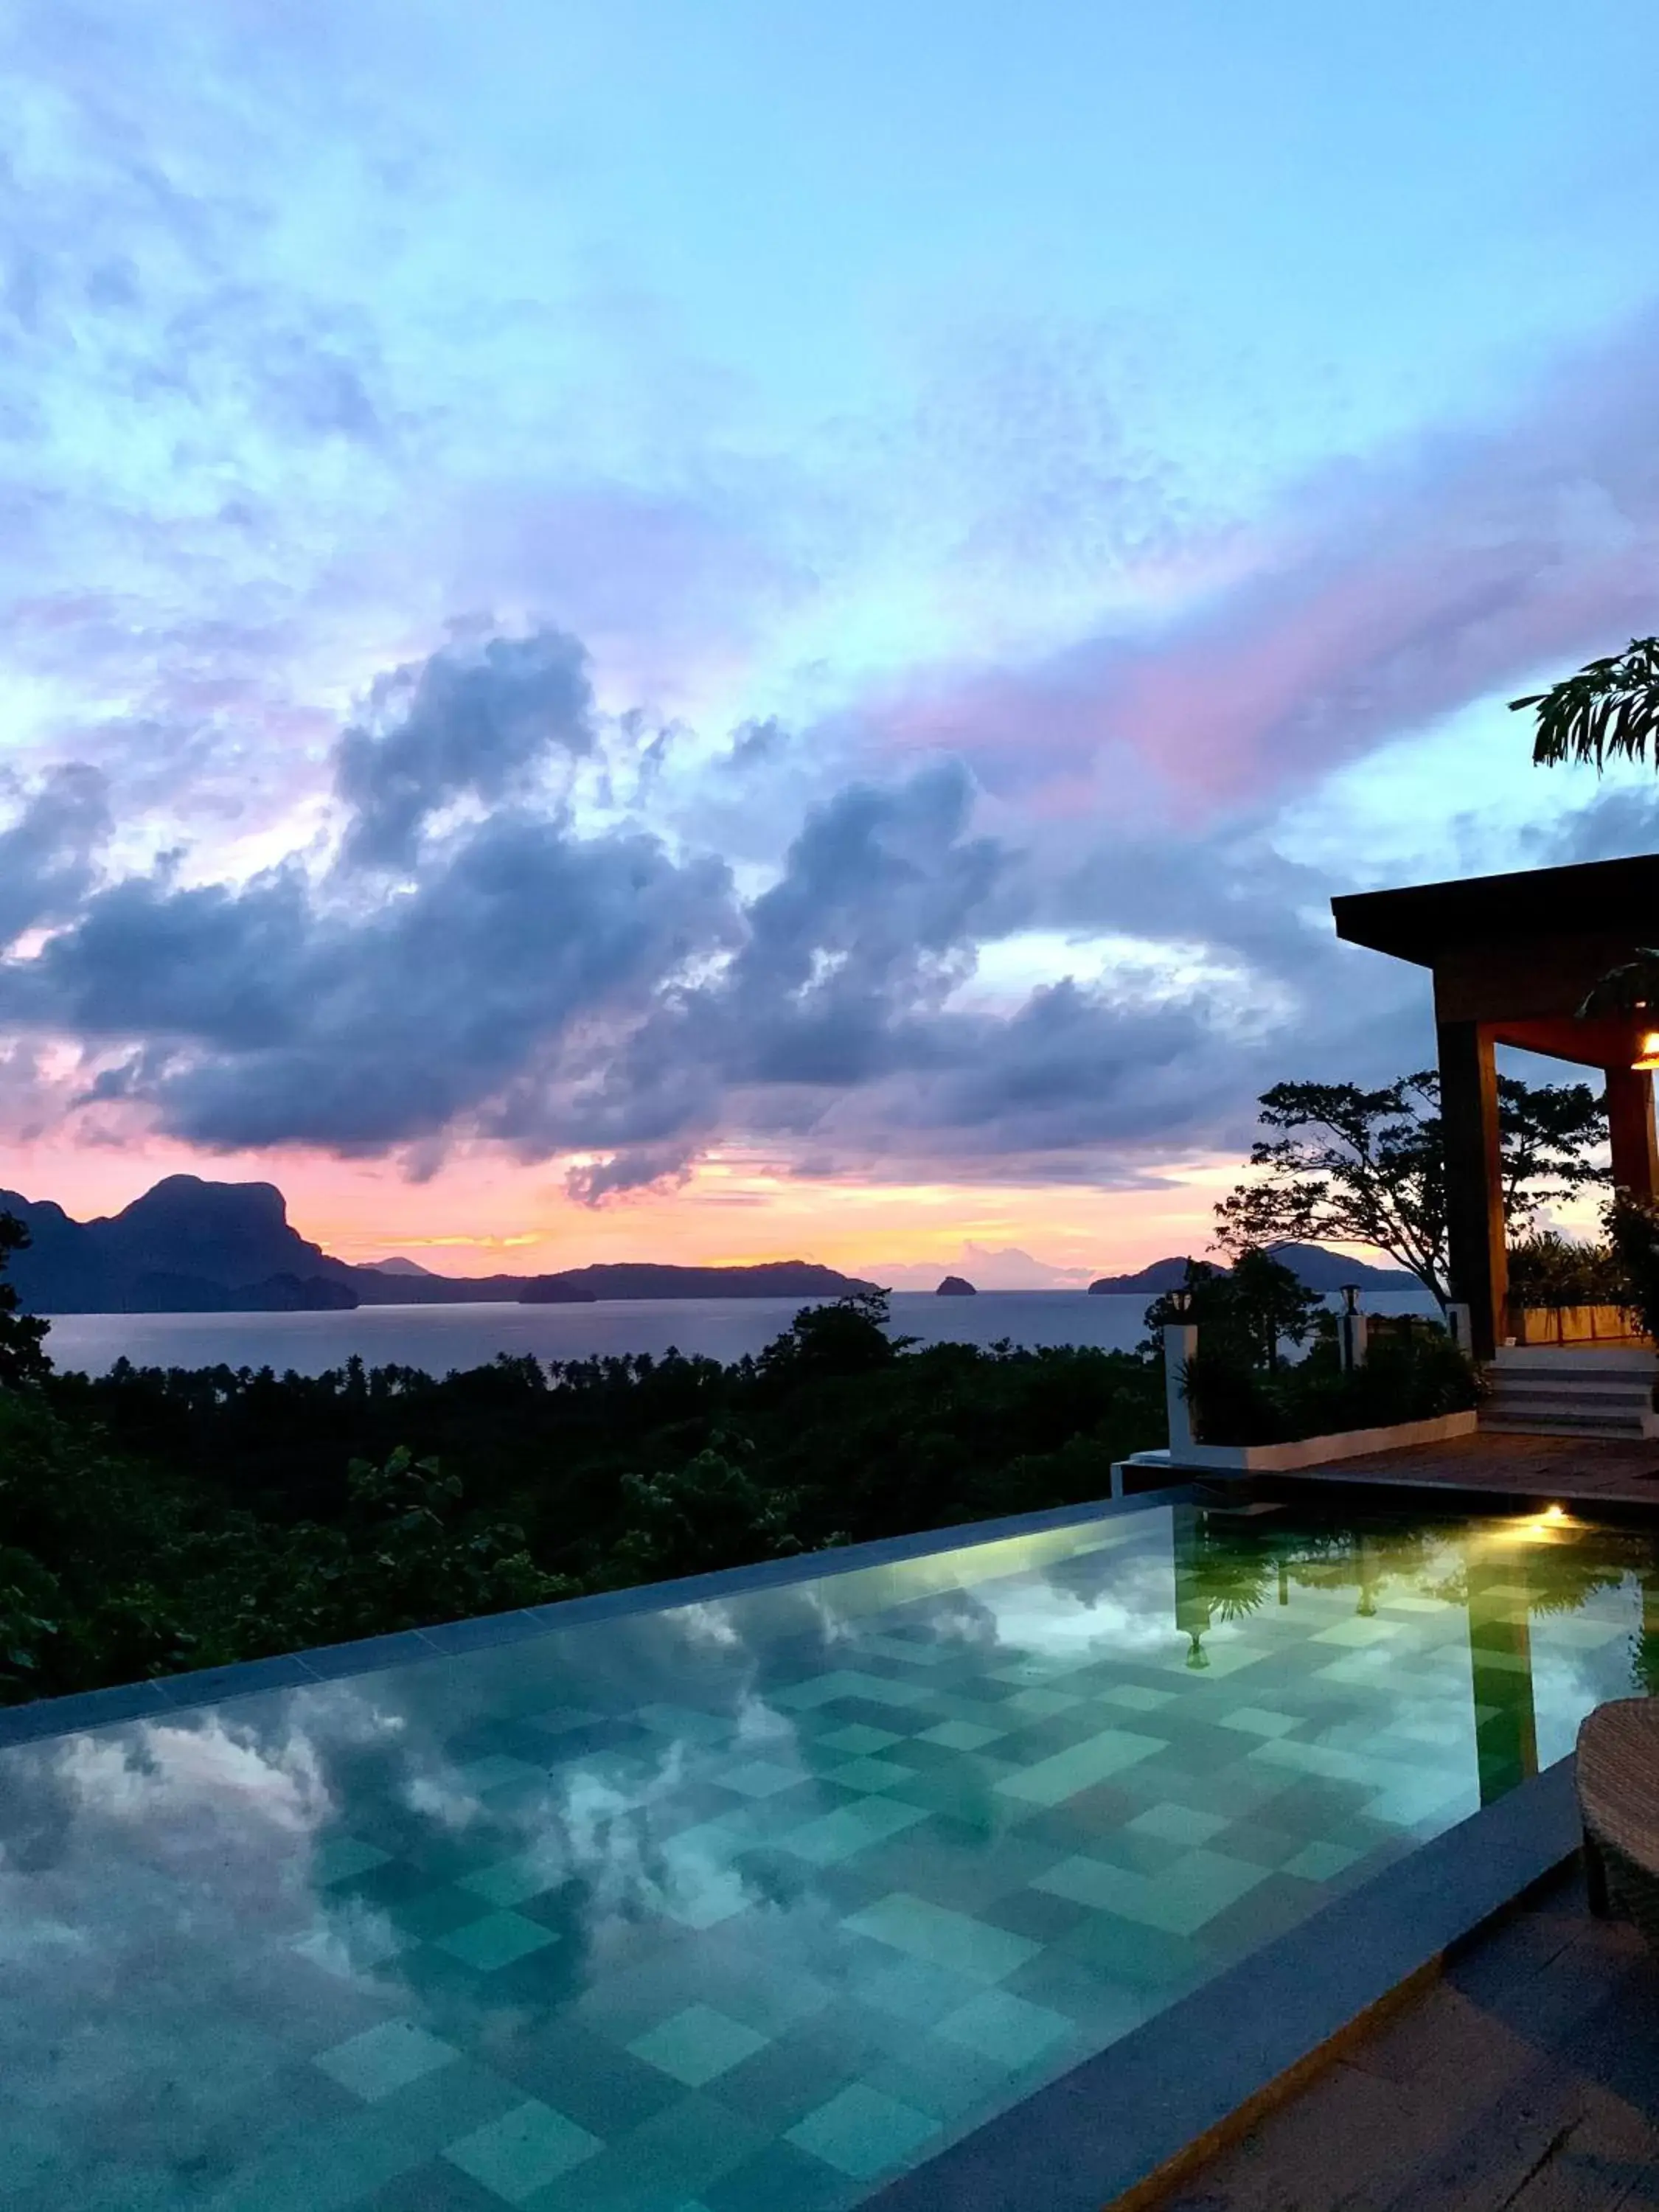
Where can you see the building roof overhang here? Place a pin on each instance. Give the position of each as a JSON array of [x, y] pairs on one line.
[[1432, 923]]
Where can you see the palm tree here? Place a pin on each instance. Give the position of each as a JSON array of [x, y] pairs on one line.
[[1609, 710]]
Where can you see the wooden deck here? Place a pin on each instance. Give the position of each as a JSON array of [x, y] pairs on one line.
[[1573, 1470], [1526, 2079]]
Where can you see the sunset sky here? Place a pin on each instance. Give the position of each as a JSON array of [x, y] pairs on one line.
[[718, 633]]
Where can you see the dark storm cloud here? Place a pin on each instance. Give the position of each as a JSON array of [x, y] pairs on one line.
[[665, 1168], [47, 852], [560, 990], [467, 722], [561, 993], [873, 919], [266, 1015]]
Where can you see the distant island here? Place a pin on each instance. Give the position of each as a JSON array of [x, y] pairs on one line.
[[956, 1287], [189, 1246], [1311, 1265], [643, 1279]]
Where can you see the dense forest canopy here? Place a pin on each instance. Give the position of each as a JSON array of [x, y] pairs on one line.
[[152, 1521]]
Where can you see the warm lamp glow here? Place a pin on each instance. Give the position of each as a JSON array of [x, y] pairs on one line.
[[1648, 1050]]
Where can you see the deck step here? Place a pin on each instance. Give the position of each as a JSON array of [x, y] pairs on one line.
[[1553, 1404], [1500, 1425], [1540, 1391]]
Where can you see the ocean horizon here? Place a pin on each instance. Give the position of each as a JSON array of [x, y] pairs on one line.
[[440, 1338]]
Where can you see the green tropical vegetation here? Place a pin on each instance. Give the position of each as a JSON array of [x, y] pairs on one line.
[[153, 1521], [1547, 1269], [1242, 1391]]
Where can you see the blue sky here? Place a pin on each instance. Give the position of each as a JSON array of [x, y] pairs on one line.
[[883, 564]]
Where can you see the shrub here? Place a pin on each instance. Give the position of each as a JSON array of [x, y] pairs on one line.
[[1415, 1377], [1632, 1227], [1547, 1269]]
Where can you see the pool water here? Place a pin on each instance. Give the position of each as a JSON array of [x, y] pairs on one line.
[[747, 1905]]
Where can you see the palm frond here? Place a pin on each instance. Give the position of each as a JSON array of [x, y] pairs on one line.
[[1609, 710]]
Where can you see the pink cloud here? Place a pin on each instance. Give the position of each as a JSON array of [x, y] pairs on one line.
[[1380, 597]]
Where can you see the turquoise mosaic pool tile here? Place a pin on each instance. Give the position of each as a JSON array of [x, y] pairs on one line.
[[862, 2133], [940, 1937], [522, 2151], [1041, 1704], [1176, 1824], [686, 1723], [424, 1915], [1003, 2027], [869, 1774], [690, 2144], [1319, 1861], [1252, 1720], [513, 1880], [848, 1830], [842, 1685], [940, 2078], [1134, 1696], [496, 1940], [385, 2058], [908, 1651], [960, 1735], [434, 2186], [1192, 1890], [697, 2044], [342, 1857], [876, 1848], [591, 2078], [858, 1742], [1064, 1773], [331, 2165]]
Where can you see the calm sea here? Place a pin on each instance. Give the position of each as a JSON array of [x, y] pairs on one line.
[[440, 1338]]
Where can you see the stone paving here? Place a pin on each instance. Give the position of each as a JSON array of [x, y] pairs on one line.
[[1525, 2080]]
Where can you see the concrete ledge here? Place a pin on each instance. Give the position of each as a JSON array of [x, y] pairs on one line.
[[1124, 2126], [1319, 1451], [1305, 1451]]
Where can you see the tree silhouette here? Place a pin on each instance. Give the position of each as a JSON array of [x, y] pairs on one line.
[[23, 1336]]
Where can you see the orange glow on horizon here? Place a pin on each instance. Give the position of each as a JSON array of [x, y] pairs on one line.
[[484, 1213]]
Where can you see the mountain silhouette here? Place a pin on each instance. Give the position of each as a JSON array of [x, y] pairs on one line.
[[189, 1246], [1314, 1267]]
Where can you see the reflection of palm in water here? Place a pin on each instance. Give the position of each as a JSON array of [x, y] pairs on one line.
[[1223, 1572]]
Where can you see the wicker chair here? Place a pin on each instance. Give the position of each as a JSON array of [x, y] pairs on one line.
[[1618, 1801]]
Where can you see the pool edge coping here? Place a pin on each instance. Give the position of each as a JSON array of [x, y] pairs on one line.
[[40, 1719], [1124, 2127]]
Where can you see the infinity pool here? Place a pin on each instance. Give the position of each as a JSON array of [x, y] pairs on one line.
[[747, 1906]]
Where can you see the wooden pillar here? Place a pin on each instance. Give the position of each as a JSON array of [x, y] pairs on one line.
[[1630, 1126], [1474, 1182]]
